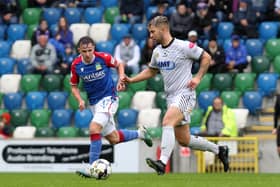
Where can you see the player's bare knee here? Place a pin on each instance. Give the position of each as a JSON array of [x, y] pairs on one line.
[[113, 140]]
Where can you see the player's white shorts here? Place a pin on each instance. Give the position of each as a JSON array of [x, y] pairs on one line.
[[185, 101], [103, 113]]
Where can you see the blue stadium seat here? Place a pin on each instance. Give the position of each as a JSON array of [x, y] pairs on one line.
[[2, 32], [72, 15], [150, 11], [267, 83], [57, 100], [12, 101], [195, 130], [139, 32], [53, 29], [127, 118], [6, 65], [106, 46], [225, 30], [5, 48], [61, 118], [146, 4], [254, 47], [83, 118], [16, 32], [205, 99], [109, 3], [35, 100], [268, 30], [52, 15], [252, 100], [93, 15], [118, 31], [23, 66]]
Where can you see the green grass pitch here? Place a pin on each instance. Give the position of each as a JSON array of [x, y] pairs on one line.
[[140, 180]]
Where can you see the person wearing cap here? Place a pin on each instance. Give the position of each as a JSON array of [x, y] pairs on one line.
[[5, 129], [192, 36], [128, 52], [236, 55]]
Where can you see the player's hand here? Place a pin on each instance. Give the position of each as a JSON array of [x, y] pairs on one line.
[[193, 83], [82, 105], [125, 79], [274, 131], [121, 86]]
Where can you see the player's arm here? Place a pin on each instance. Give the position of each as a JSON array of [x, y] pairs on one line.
[[143, 75], [76, 92]]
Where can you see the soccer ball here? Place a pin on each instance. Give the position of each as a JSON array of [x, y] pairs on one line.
[[101, 169]]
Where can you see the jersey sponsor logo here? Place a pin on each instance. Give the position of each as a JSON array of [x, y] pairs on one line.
[[166, 65], [94, 76], [191, 45], [98, 66]]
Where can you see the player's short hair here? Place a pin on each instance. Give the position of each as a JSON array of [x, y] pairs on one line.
[[85, 40], [159, 20]]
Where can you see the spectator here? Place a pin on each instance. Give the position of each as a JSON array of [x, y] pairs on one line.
[[5, 128], [276, 10], [147, 52], [276, 129], [192, 36], [219, 120], [181, 21], [42, 29], [261, 8], [130, 11], [245, 20], [39, 3], [217, 64], [222, 9], [128, 52], [43, 56], [162, 7], [9, 12], [236, 55]]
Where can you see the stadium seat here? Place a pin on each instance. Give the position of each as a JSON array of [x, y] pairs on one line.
[[254, 47], [72, 15], [244, 82], [125, 98], [16, 32], [31, 16], [139, 31], [118, 31], [84, 132], [149, 117], [73, 103], [27, 132], [10, 83], [5, 48], [30, 82], [205, 83], [195, 130], [225, 30], [241, 115], [140, 96], [222, 82], [100, 32], [61, 118], [276, 64], [93, 15], [82, 118], [138, 86], [231, 98], [40, 118], [155, 132], [57, 100], [272, 48], [19, 117], [156, 83], [205, 99], [127, 118], [161, 100], [12, 101], [53, 29], [260, 64], [67, 132], [51, 82], [6, 65], [196, 117], [23, 66], [66, 83], [268, 30], [267, 83], [21, 49], [150, 11], [35, 100], [106, 46], [30, 31], [44, 132], [79, 30], [110, 14], [2, 31], [252, 100], [109, 3], [52, 15]]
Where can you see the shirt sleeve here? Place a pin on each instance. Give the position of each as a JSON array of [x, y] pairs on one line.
[[110, 61], [192, 50], [74, 78], [153, 63]]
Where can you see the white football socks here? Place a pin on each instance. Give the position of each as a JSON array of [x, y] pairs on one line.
[[167, 143], [202, 144]]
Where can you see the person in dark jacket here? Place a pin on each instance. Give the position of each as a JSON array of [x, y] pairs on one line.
[[130, 11], [9, 12]]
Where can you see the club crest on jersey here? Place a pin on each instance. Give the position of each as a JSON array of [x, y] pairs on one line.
[[98, 66], [166, 65]]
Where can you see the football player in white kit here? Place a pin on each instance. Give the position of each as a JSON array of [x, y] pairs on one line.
[[174, 58]]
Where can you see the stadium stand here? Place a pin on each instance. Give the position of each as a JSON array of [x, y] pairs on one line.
[[10, 83]]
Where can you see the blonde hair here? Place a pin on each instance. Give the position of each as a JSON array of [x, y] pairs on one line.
[[159, 20]]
